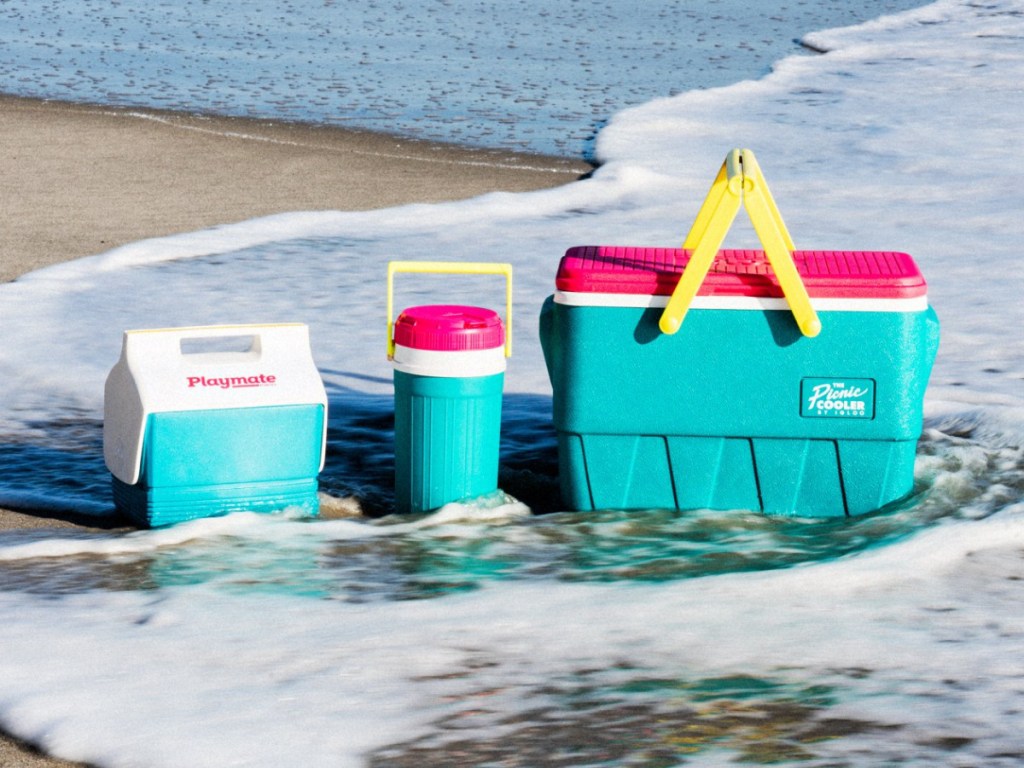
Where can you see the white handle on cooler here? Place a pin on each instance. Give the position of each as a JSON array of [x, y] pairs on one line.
[[167, 343]]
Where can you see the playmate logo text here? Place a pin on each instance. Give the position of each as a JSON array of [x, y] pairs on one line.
[[233, 382], [838, 398]]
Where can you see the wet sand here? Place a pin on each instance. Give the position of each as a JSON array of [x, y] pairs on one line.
[[83, 179]]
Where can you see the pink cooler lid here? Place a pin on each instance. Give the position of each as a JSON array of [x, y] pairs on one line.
[[655, 271], [449, 328]]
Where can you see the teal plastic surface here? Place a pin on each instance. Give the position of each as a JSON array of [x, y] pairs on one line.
[[738, 409], [447, 436], [211, 462]]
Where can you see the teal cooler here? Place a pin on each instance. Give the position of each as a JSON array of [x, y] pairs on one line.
[[449, 371], [737, 409], [200, 422]]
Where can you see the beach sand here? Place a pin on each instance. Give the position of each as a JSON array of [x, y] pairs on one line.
[[83, 179]]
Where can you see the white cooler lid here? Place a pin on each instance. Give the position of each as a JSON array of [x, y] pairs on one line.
[[203, 368]]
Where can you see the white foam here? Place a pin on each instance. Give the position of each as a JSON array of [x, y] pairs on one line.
[[265, 680]]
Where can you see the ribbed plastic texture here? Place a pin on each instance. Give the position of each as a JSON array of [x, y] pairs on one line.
[[159, 507], [737, 410], [449, 327], [206, 463], [447, 435], [655, 271]]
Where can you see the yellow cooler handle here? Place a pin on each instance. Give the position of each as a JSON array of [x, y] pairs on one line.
[[450, 268], [739, 180]]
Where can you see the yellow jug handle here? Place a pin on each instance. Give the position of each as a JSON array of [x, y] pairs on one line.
[[739, 181], [450, 268]]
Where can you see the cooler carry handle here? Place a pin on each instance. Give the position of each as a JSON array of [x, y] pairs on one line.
[[739, 180], [450, 268], [169, 345]]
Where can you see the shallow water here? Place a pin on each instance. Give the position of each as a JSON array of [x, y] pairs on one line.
[[520, 75], [518, 533], [608, 638]]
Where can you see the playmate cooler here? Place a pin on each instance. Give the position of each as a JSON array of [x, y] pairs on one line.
[[795, 395], [205, 421]]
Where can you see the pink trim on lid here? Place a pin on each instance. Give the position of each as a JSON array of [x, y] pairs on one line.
[[449, 328], [655, 271]]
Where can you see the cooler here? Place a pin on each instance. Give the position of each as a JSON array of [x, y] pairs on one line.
[[449, 374], [205, 421], [794, 386], [737, 409]]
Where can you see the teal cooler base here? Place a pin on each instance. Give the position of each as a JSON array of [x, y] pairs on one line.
[[811, 478], [737, 409], [447, 435], [207, 463], [158, 507]]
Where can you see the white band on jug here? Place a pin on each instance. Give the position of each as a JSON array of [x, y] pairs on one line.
[[432, 362]]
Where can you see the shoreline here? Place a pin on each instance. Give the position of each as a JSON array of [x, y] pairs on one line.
[[82, 179], [87, 178]]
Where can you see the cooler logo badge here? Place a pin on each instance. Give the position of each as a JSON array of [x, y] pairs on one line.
[[232, 382], [837, 398]]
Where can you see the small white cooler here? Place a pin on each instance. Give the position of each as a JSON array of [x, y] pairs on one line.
[[204, 421]]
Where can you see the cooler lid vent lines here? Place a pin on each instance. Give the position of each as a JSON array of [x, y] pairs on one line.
[[654, 272]]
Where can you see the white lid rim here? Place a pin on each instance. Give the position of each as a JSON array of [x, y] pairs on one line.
[[824, 304]]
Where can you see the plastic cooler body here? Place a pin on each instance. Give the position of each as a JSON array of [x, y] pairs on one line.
[[447, 436], [211, 462], [449, 373], [737, 409], [210, 420]]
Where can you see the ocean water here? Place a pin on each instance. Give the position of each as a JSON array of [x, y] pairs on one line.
[[508, 631], [519, 74]]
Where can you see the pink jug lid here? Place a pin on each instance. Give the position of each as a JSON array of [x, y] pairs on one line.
[[449, 328]]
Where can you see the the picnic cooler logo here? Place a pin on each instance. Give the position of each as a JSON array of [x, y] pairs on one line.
[[837, 398]]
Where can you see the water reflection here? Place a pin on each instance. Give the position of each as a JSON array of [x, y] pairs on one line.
[[589, 718]]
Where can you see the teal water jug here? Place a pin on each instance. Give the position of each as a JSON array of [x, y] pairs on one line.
[[449, 372]]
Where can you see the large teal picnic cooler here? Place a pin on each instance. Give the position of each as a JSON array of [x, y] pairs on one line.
[[794, 386], [205, 421]]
